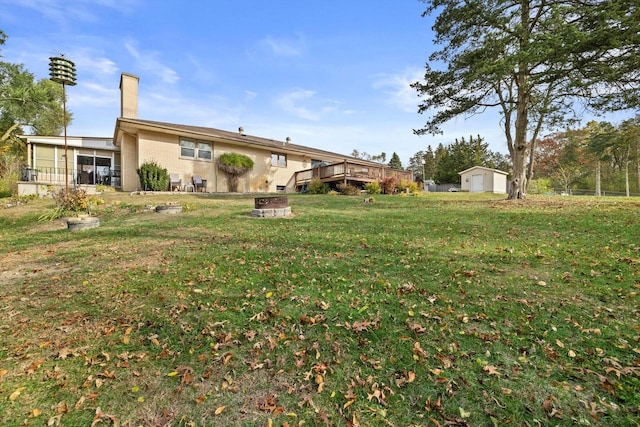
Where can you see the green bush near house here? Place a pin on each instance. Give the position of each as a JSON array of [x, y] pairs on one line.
[[317, 187], [153, 177], [348, 189], [372, 188], [234, 165], [406, 185]]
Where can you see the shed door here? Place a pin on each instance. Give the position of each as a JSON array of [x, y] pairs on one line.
[[477, 183]]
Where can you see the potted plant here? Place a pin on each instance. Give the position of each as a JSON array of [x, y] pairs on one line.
[[75, 207], [169, 208]]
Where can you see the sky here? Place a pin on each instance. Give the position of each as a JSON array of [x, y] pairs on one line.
[[329, 74]]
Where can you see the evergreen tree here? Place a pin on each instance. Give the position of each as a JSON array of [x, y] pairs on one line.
[[395, 162], [532, 60]]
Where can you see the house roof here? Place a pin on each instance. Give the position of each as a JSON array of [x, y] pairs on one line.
[[133, 125], [91, 142], [483, 168]]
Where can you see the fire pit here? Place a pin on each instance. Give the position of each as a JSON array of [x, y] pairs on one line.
[[271, 207]]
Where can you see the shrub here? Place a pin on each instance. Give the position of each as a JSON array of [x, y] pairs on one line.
[[236, 160], [75, 201], [9, 174], [153, 177], [373, 187], [540, 186], [348, 189], [411, 186], [234, 165], [317, 187], [389, 185]]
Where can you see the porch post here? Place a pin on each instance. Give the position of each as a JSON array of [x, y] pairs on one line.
[[345, 172]]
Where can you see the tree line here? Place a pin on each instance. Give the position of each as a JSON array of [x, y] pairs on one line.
[[599, 157]]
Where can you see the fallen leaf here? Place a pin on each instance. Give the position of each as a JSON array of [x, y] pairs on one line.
[[219, 410], [62, 408], [572, 353], [16, 393], [79, 403], [54, 421], [36, 412], [491, 370]]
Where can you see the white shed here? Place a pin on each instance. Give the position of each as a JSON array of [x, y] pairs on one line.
[[481, 179]]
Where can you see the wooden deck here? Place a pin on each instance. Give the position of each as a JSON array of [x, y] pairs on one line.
[[350, 173]]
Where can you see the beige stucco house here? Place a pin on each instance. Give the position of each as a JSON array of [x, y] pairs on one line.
[[187, 152], [481, 179]]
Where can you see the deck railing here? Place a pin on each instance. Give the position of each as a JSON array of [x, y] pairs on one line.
[[351, 171], [51, 175]]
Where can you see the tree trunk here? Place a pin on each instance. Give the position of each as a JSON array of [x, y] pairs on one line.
[[638, 165], [598, 192], [626, 178], [626, 171], [518, 149], [518, 153], [233, 181]]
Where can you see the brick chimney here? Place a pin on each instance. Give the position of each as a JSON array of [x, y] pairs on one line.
[[129, 96]]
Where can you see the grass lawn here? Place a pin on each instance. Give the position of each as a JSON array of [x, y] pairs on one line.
[[444, 309]]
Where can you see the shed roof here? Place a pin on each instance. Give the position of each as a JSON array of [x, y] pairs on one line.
[[483, 168]]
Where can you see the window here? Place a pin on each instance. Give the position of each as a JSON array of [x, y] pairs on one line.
[[278, 159], [187, 148], [200, 150], [204, 150]]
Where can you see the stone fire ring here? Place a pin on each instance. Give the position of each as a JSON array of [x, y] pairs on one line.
[[271, 207], [169, 209]]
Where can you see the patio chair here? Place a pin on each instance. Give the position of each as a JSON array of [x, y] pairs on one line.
[[175, 182], [198, 183]]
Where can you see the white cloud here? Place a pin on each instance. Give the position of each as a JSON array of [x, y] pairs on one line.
[[397, 90], [64, 12], [284, 47], [147, 61], [91, 62], [90, 94], [250, 95], [290, 103]]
